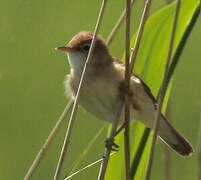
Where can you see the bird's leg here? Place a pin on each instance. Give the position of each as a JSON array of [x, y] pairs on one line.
[[110, 144]]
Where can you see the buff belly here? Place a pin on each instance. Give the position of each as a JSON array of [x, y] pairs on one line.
[[100, 101]]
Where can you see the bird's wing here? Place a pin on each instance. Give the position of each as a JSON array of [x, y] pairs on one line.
[[137, 79]]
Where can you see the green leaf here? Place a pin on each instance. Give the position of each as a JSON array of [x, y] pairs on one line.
[[150, 65]]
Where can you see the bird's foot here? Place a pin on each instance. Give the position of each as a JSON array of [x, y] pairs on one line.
[[110, 144]]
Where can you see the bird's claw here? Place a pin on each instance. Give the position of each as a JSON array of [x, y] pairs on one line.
[[110, 144]]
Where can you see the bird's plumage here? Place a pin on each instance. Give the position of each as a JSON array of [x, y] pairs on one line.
[[103, 87]]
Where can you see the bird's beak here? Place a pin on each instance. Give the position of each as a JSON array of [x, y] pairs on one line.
[[65, 48]]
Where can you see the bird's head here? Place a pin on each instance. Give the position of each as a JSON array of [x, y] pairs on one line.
[[78, 48]]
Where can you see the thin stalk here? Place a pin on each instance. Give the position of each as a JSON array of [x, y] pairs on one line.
[[48, 141], [103, 167], [143, 20], [117, 25], [75, 105], [163, 90], [127, 99], [145, 15], [199, 151]]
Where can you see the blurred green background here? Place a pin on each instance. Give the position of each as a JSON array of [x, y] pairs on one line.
[[32, 93]]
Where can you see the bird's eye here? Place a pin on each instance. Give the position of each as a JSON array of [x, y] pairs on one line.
[[86, 47]]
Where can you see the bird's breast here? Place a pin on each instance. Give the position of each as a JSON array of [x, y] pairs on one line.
[[98, 97]]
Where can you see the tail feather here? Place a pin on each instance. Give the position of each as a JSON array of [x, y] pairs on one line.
[[173, 138]]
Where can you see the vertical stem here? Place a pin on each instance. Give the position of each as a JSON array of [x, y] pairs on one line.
[[144, 17], [163, 90], [75, 105], [48, 141], [127, 99], [117, 25]]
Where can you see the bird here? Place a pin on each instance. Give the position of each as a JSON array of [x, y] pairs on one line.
[[103, 88]]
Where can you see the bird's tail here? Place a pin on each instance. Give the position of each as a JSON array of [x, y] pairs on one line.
[[173, 138]]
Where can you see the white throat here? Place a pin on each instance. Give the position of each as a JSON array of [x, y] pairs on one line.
[[76, 61]]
